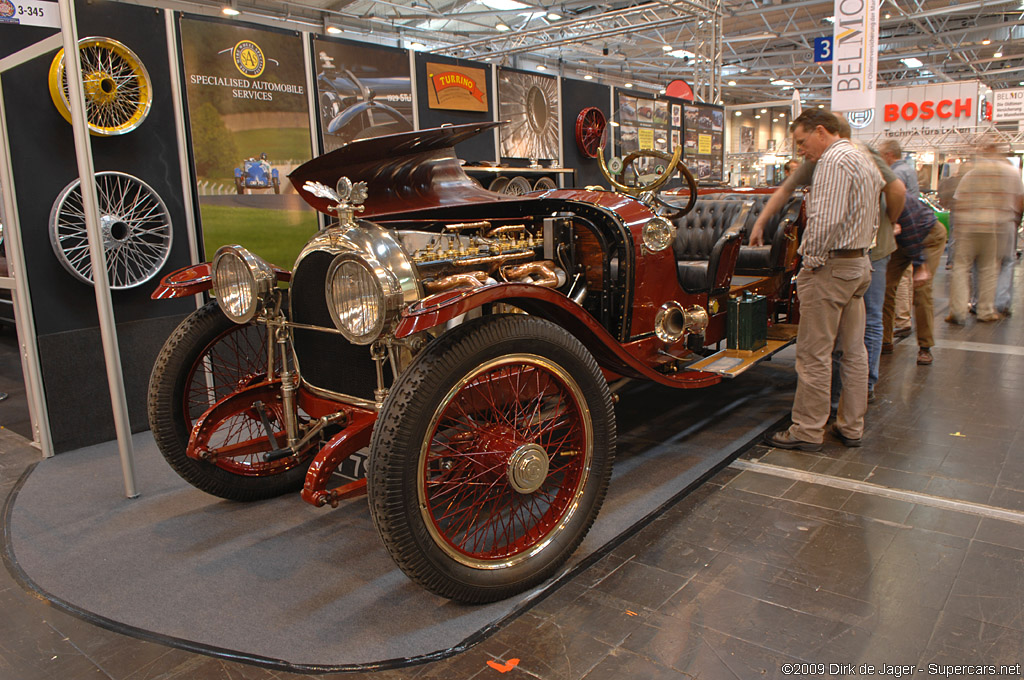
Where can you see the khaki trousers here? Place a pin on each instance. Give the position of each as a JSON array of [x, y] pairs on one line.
[[924, 310], [831, 316], [971, 246], [904, 302]]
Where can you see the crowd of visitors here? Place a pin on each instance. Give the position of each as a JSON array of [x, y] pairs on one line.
[[867, 230]]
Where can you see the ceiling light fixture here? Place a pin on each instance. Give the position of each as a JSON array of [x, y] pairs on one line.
[[416, 46], [588, 77], [739, 113], [782, 82], [998, 54], [986, 41], [764, 110], [912, 62], [732, 82], [230, 11], [666, 48], [501, 27], [757, 116], [554, 17], [629, 84], [333, 30], [542, 67]]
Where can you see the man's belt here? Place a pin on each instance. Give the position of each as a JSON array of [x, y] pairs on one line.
[[848, 252]]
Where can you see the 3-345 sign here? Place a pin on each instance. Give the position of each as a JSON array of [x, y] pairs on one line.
[[823, 49]]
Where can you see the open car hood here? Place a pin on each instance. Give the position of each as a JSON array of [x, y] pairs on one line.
[[404, 171]]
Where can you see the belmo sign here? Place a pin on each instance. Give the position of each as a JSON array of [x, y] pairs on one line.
[[920, 110]]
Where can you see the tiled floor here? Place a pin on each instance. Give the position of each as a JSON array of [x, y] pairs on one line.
[[750, 572]]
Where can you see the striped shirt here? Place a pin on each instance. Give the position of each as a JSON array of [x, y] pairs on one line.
[[842, 212]]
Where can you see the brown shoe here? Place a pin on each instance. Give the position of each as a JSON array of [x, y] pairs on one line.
[[902, 332], [955, 320], [784, 440], [847, 441], [992, 317], [887, 348], [924, 356]]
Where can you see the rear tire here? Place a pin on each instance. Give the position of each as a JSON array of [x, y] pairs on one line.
[[206, 358], [491, 457]]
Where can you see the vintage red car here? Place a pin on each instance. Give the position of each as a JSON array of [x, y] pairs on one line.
[[471, 340]]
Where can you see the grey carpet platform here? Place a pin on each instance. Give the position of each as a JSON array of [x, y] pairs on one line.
[[313, 589]]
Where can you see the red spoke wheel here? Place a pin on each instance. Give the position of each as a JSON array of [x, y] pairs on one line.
[[590, 126], [204, 360], [491, 457]]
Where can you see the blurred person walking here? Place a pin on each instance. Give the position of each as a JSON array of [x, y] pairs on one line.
[[989, 201], [947, 189], [842, 215]]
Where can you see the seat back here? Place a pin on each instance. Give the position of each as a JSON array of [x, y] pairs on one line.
[[771, 257], [707, 244], [698, 231]]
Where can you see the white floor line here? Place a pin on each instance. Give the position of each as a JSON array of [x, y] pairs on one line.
[[868, 488], [980, 347]]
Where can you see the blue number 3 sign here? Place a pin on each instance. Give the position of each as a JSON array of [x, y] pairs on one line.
[[823, 49]]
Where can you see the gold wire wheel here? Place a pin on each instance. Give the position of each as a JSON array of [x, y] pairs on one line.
[[118, 91]]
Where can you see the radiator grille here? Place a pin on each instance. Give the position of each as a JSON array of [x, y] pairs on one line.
[[327, 360]]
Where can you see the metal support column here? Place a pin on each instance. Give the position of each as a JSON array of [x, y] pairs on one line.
[[104, 305]]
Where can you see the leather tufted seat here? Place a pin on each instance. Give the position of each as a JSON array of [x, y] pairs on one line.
[[771, 257], [706, 242]]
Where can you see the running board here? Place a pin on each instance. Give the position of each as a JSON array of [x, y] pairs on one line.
[[729, 363]]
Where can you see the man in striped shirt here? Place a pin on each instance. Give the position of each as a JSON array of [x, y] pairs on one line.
[[842, 215]]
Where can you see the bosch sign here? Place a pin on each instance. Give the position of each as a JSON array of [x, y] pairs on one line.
[[928, 109]]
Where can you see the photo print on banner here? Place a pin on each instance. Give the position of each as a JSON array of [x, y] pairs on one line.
[[249, 117], [363, 91]]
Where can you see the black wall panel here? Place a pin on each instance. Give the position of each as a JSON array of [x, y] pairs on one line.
[[479, 148], [43, 158], [576, 96], [14, 37]]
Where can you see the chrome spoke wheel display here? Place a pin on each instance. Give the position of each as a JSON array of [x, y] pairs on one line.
[[135, 226], [117, 89]]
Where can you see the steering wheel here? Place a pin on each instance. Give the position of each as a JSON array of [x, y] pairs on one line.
[[673, 163]]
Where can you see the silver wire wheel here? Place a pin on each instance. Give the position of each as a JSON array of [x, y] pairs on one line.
[[517, 186], [135, 224], [117, 88]]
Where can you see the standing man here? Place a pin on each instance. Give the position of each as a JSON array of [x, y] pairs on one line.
[[885, 243], [892, 153], [841, 217]]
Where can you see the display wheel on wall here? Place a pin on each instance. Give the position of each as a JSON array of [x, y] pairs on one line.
[[590, 127], [135, 224], [118, 91]]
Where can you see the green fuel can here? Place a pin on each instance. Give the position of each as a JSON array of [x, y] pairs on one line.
[[747, 322]]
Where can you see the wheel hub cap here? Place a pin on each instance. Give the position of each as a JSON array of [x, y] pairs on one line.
[[527, 468]]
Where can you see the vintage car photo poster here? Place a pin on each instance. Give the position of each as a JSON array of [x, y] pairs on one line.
[[249, 118], [456, 88], [704, 141], [530, 103], [363, 91]]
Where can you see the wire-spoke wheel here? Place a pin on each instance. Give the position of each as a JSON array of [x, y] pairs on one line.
[[491, 456], [118, 91], [206, 359], [135, 224]]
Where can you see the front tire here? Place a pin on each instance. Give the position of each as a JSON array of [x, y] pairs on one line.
[[491, 457], [206, 358]]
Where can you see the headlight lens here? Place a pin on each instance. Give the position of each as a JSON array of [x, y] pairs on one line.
[[242, 283], [363, 298], [658, 234]]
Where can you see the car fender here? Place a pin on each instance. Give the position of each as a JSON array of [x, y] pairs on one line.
[[238, 173], [546, 303], [196, 279]]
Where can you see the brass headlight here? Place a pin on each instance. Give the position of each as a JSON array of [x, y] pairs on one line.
[[242, 283], [658, 234], [363, 297]]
